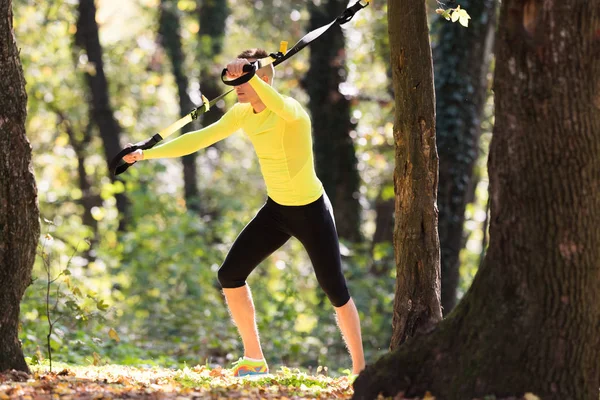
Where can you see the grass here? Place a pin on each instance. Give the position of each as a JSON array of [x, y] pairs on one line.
[[118, 381]]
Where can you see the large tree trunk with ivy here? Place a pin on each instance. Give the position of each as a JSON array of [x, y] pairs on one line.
[[335, 156], [530, 321], [88, 40], [461, 58], [416, 245], [19, 214]]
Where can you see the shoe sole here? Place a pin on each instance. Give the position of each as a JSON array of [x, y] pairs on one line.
[[255, 376]]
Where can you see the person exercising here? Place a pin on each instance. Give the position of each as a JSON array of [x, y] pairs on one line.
[[296, 205]]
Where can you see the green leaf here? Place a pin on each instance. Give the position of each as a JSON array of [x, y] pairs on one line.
[[388, 193], [72, 305], [101, 305], [66, 272]]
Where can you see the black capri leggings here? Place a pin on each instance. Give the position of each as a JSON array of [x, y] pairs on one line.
[[312, 224]]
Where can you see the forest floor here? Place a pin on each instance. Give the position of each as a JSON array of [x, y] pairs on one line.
[[201, 382]]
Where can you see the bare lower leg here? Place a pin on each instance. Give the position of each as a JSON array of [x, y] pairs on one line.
[[241, 307], [349, 323]]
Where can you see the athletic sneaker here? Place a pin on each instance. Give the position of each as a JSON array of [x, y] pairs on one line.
[[246, 367]]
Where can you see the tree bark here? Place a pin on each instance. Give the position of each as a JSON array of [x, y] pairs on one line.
[[212, 17], [335, 156], [170, 38], [416, 245], [87, 39], [530, 321], [80, 141], [19, 213], [461, 58]]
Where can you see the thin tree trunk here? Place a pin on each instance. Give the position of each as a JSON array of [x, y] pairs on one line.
[[19, 213], [87, 39], [212, 16], [416, 245], [80, 143], [169, 31], [462, 58], [530, 321], [88, 200], [335, 156]]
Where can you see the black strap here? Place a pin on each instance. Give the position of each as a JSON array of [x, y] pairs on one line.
[[117, 166], [346, 16], [278, 58]]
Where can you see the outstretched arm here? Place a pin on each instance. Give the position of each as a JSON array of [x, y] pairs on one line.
[[196, 140]]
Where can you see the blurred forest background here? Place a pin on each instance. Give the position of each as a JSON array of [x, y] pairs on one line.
[[128, 266]]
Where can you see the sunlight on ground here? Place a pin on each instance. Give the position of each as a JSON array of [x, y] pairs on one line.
[[112, 381]]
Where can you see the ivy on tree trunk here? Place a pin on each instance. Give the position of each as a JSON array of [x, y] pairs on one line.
[[530, 321], [461, 58]]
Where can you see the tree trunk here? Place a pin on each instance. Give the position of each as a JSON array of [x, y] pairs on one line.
[[530, 321], [19, 214], [461, 59], [335, 156], [212, 17], [89, 199], [87, 39], [169, 31], [416, 245], [80, 142]]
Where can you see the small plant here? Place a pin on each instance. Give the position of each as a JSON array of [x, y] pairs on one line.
[[65, 303]]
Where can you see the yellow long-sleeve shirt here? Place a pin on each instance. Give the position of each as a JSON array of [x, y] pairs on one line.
[[281, 136]]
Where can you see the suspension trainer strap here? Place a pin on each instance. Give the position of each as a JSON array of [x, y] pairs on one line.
[[281, 56], [118, 166]]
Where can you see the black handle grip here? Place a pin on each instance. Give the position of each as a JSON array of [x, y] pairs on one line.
[[118, 166], [250, 70]]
